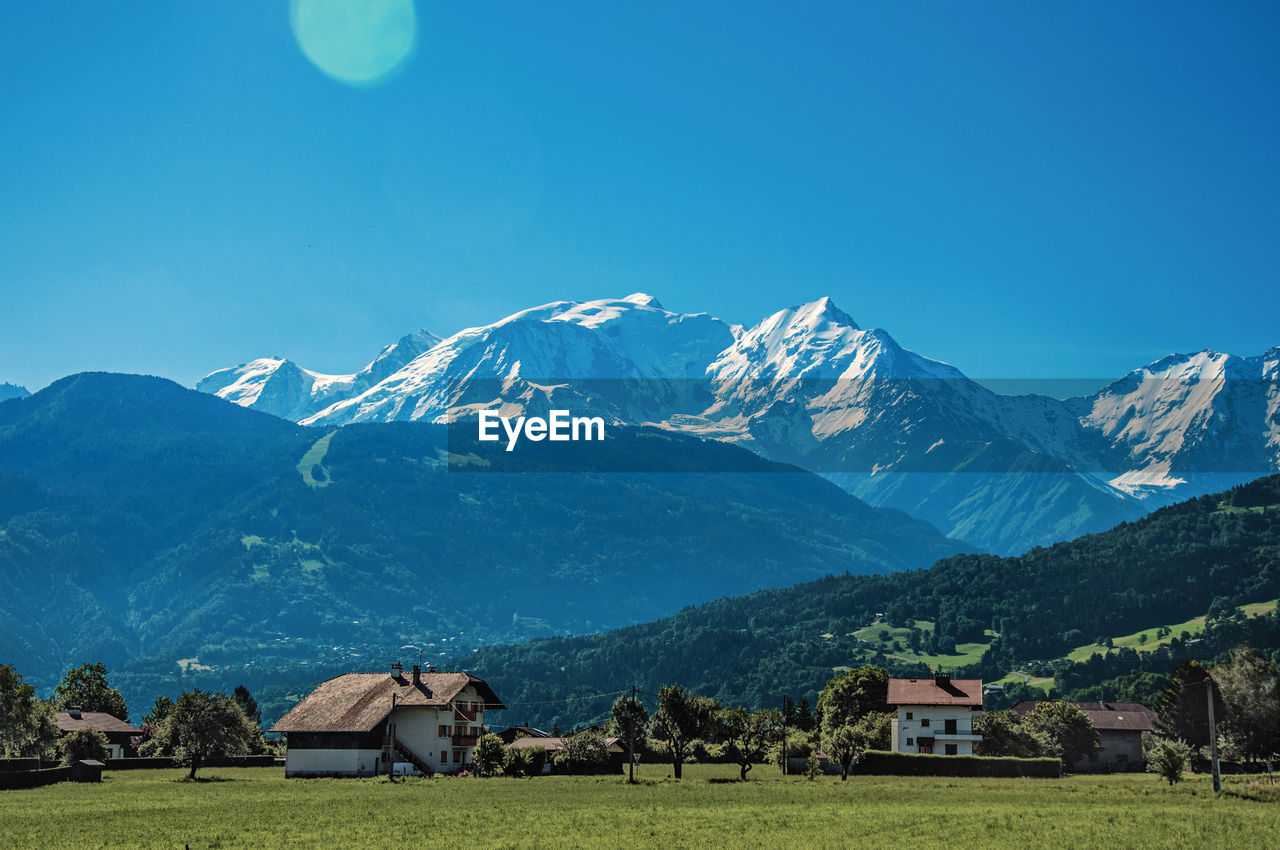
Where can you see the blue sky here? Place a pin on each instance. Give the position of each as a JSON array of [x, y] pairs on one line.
[[1021, 189]]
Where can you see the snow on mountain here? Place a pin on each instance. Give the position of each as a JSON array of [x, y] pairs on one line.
[[628, 358], [8, 391], [1207, 416], [808, 386], [280, 387]]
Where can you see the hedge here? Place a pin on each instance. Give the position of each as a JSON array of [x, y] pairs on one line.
[[156, 762], [34, 778], [13, 764], [879, 762]]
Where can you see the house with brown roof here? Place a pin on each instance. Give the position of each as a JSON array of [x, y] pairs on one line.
[[1120, 726], [935, 715], [118, 732], [365, 724]]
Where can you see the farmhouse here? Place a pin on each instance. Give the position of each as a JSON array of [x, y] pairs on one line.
[[363, 724], [935, 715], [1120, 726], [117, 731]]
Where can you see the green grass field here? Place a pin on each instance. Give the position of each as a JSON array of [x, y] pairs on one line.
[[250, 807], [965, 654], [1147, 640]]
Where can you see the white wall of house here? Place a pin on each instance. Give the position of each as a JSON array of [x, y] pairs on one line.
[[930, 721], [300, 762], [418, 727]]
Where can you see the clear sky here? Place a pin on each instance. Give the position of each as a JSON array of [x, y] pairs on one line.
[[1020, 189]]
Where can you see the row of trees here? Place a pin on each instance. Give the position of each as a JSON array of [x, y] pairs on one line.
[[195, 728]]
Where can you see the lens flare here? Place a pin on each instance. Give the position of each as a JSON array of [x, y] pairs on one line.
[[361, 43]]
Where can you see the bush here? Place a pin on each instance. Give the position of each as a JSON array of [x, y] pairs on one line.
[[1165, 756], [877, 762], [524, 761], [84, 744]]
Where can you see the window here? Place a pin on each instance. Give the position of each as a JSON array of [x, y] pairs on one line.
[[908, 715], [444, 731], [951, 749], [911, 742], [924, 721], [444, 757], [949, 727], [457, 756]]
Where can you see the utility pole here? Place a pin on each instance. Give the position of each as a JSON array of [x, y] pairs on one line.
[[784, 735], [1213, 738], [391, 736], [631, 739]]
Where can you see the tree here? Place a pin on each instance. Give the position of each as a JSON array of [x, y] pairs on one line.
[[627, 719], [524, 761], [582, 752], [203, 726], [247, 704], [84, 743], [804, 717], [681, 719], [749, 734], [1166, 756], [159, 711], [26, 723], [1069, 728], [86, 687], [1251, 697], [1184, 706], [490, 755], [847, 743], [1003, 734], [851, 695]]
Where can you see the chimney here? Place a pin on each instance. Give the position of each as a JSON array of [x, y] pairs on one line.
[[397, 670], [417, 674], [74, 711]]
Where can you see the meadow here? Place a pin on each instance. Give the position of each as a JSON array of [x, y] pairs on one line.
[[258, 807]]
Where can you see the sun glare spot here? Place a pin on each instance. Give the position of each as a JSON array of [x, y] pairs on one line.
[[361, 43]]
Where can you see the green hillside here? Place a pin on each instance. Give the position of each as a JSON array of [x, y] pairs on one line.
[[1169, 568]]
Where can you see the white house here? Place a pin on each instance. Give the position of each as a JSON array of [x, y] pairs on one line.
[[935, 715], [362, 724]]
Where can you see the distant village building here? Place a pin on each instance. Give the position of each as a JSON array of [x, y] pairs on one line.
[[363, 724], [1120, 726], [617, 753], [513, 733], [117, 731], [935, 715]]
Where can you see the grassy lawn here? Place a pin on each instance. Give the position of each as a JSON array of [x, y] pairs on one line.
[[250, 807]]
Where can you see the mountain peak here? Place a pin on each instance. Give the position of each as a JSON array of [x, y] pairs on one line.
[[824, 310], [643, 300], [12, 391]]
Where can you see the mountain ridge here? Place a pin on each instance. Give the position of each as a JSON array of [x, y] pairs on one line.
[[807, 385]]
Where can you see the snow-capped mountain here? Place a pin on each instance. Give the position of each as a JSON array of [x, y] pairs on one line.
[[808, 386], [281, 387]]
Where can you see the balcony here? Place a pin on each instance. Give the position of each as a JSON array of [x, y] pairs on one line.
[[465, 739], [956, 736]]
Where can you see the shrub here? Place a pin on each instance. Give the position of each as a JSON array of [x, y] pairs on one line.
[[84, 744], [1165, 756], [911, 764]]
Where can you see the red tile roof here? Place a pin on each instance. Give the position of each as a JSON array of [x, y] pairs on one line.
[[99, 720], [357, 702], [929, 691]]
